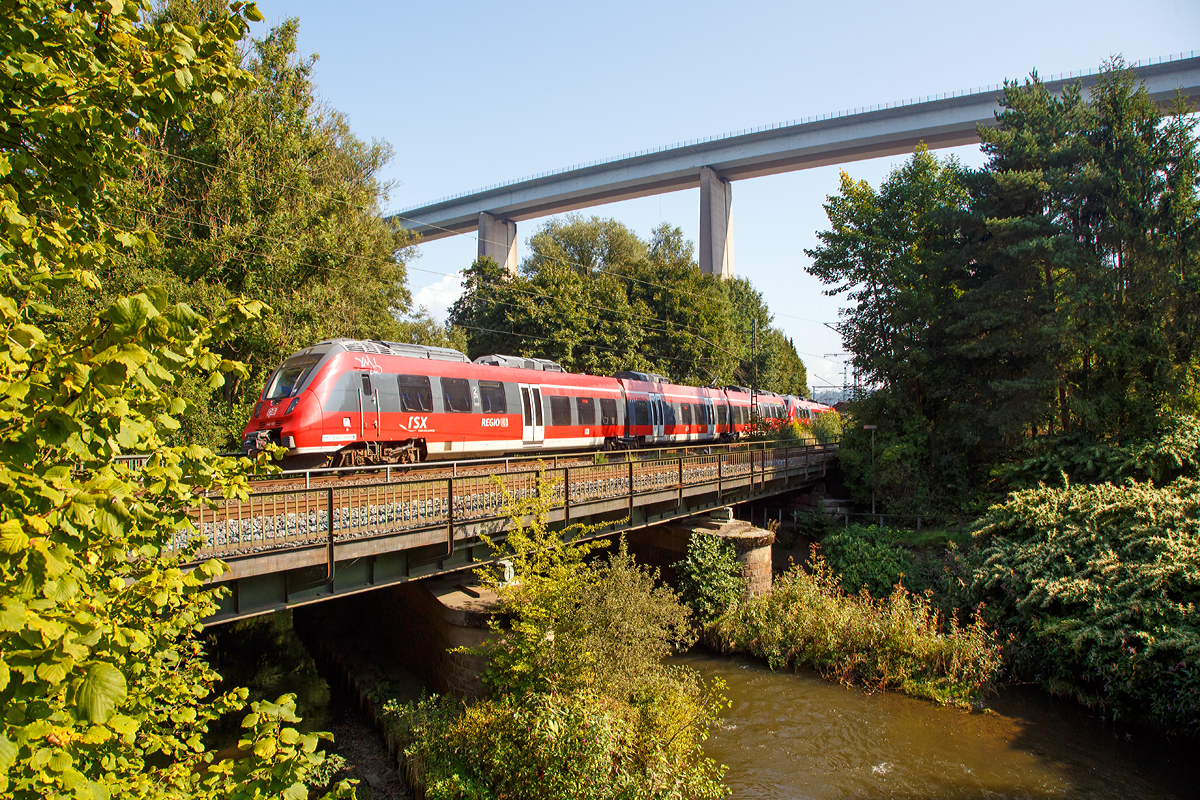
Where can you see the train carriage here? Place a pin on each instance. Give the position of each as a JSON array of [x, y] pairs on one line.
[[352, 403], [384, 402]]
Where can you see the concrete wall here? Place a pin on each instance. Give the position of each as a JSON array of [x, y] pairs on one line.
[[418, 625]]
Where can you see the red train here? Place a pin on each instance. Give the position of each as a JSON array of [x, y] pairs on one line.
[[352, 403]]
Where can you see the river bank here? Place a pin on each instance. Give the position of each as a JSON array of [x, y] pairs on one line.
[[795, 735]]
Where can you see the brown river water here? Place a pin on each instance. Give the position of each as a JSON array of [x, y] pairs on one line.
[[794, 735]]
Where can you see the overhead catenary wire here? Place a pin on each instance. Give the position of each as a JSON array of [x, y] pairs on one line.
[[707, 361], [183, 220], [362, 207], [372, 210]]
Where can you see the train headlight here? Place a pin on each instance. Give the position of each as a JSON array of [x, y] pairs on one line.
[[292, 405]]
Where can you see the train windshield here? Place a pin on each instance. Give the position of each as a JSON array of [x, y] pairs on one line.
[[290, 377]]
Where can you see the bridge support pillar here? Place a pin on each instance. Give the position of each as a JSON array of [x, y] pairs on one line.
[[716, 227], [498, 240]]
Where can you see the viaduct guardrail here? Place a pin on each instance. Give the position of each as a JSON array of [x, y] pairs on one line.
[[293, 546]]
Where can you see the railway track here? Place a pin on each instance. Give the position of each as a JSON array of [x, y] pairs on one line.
[[439, 503], [435, 470]]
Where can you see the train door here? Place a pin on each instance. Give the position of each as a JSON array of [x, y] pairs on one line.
[[657, 417], [368, 409], [534, 430], [710, 424]]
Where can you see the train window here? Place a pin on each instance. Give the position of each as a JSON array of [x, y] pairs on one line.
[[560, 411], [415, 393], [456, 394], [491, 397], [722, 415], [366, 382], [586, 407], [641, 412], [687, 413], [290, 377], [608, 412]]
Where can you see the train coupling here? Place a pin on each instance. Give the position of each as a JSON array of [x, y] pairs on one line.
[[260, 440]]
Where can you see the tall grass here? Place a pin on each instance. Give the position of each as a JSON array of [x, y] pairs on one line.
[[898, 642]]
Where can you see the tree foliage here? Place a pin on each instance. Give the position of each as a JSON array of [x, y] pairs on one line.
[[103, 684], [710, 577], [597, 299], [1039, 310], [1100, 584], [266, 194]]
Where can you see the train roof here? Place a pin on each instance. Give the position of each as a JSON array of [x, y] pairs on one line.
[[520, 362], [382, 348], [645, 377]]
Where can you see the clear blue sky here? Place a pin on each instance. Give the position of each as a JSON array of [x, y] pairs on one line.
[[475, 93]]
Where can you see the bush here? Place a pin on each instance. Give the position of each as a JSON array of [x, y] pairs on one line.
[[579, 745], [1170, 450], [827, 427], [1100, 586], [897, 642], [583, 705], [866, 557], [710, 577]]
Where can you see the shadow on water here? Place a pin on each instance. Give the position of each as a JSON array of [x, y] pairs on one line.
[[794, 735]]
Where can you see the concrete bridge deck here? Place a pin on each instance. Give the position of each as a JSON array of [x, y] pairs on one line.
[[297, 546], [944, 120]]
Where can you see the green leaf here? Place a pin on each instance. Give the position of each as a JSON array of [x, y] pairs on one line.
[[97, 734], [297, 791], [53, 672], [8, 752], [12, 615], [12, 537], [100, 791], [122, 724], [101, 690], [60, 761], [265, 748]]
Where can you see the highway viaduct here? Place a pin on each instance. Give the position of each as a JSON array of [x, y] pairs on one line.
[[712, 164]]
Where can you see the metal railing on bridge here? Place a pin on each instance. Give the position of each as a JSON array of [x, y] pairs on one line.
[[293, 518]]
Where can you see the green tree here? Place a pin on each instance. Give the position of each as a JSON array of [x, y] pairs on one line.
[[1040, 310], [710, 577], [103, 684], [1080, 314], [767, 359], [267, 194], [594, 297], [688, 314], [888, 251]]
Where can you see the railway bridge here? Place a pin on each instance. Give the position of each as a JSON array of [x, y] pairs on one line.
[[324, 537]]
